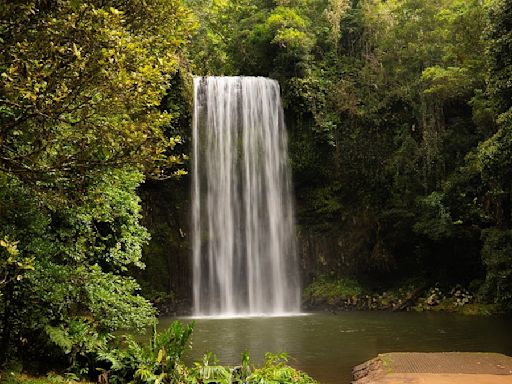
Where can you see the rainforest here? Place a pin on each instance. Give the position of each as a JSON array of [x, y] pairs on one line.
[[392, 179]]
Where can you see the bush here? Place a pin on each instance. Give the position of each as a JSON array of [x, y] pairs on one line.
[[324, 288], [497, 258], [157, 362], [274, 371], [160, 362]]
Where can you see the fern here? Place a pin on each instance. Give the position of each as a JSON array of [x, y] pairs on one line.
[[60, 337]]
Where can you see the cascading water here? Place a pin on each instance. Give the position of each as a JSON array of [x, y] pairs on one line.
[[243, 242]]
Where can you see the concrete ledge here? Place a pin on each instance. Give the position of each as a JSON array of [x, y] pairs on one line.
[[435, 368], [442, 378]]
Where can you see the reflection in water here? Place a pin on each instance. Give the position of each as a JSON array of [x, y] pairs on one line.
[[328, 346]]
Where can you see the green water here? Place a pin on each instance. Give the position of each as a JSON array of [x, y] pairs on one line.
[[327, 346]]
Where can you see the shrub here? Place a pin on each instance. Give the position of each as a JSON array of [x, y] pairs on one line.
[[274, 371], [497, 258], [156, 362], [324, 288]]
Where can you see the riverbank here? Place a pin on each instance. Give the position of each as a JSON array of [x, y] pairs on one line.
[[435, 368], [342, 295], [10, 377], [345, 296]]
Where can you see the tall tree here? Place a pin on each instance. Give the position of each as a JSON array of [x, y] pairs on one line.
[[81, 124]]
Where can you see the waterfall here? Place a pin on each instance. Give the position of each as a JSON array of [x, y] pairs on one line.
[[243, 242]]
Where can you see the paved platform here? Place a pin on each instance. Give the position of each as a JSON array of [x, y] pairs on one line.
[[435, 368], [442, 378]]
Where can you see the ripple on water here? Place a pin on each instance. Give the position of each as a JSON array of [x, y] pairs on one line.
[[327, 346]]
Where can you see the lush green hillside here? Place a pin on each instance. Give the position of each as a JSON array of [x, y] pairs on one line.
[[399, 117]]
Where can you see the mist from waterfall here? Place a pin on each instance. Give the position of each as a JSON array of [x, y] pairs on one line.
[[243, 241]]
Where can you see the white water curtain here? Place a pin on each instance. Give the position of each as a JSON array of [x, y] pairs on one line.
[[244, 257]]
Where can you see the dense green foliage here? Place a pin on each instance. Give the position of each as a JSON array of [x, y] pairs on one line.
[[160, 361], [95, 99], [82, 126], [274, 371], [400, 117], [399, 113]]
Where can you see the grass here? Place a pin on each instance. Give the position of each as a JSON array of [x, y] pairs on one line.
[[9, 377], [324, 288]]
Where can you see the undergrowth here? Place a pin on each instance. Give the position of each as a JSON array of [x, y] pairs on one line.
[[160, 362], [324, 287]]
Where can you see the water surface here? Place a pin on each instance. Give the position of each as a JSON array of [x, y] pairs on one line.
[[327, 346]]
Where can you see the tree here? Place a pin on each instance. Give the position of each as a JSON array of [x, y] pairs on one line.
[[81, 86], [81, 127], [494, 159]]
